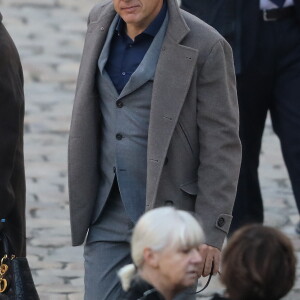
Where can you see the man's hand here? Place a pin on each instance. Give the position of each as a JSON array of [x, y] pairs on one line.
[[209, 255]]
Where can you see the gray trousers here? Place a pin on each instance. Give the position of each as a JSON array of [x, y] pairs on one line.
[[107, 250]]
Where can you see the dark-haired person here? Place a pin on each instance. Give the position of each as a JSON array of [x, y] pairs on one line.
[[265, 37], [12, 177], [258, 263]]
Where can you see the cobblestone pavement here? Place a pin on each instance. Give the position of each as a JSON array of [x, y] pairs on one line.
[[49, 35]]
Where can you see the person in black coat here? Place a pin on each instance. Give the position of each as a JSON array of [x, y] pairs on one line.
[[12, 176], [142, 290], [265, 38], [165, 250]]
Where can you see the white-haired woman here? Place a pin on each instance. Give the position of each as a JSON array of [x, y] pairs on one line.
[[165, 252]]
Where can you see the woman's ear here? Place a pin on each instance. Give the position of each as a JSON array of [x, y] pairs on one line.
[[151, 258]]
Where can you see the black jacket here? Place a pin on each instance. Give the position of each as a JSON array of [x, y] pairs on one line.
[[142, 290], [236, 20], [12, 177]]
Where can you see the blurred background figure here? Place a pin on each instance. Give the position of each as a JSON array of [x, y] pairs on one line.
[[258, 263], [166, 257], [265, 37], [12, 177]]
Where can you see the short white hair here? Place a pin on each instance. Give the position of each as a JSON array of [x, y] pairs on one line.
[[157, 229]]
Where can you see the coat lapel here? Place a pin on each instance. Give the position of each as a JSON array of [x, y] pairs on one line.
[[104, 55], [95, 39], [172, 80], [146, 69], [143, 73]]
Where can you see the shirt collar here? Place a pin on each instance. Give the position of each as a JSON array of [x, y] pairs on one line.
[[155, 25]]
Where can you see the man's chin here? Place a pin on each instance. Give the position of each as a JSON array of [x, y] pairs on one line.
[[130, 19]]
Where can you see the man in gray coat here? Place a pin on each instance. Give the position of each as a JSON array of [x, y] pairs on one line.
[[155, 123]]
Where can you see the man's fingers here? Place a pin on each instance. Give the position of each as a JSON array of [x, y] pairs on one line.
[[208, 262], [204, 250], [210, 256], [217, 262]]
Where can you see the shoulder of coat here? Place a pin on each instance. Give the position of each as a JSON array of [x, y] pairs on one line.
[[200, 31], [102, 7]]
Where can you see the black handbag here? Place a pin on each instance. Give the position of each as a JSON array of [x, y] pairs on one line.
[[16, 281]]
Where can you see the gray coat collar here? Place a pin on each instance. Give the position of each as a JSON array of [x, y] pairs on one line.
[[176, 21], [177, 25], [146, 69]]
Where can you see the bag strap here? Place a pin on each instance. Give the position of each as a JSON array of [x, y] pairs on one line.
[[4, 241], [208, 280]]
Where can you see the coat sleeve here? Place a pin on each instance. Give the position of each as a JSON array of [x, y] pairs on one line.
[[220, 148], [11, 117]]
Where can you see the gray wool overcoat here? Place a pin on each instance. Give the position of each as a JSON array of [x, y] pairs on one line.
[[194, 152]]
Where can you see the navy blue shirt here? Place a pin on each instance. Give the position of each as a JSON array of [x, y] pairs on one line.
[[125, 55]]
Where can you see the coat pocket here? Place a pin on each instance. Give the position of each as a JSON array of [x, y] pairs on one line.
[[190, 187]]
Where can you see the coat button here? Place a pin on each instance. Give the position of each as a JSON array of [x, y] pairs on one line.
[[169, 203], [221, 222], [119, 104], [114, 169], [119, 136]]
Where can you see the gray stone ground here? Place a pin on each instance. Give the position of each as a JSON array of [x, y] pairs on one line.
[[49, 35]]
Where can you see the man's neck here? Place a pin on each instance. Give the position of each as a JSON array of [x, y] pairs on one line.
[[133, 31]]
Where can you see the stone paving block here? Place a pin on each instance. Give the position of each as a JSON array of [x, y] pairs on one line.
[[45, 265], [67, 254], [57, 289], [36, 3], [78, 296], [78, 281], [290, 231], [47, 279], [70, 68], [65, 274], [275, 202], [61, 214], [46, 296], [275, 219], [46, 241], [75, 266], [294, 218], [47, 223]]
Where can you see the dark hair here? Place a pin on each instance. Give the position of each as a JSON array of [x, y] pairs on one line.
[[258, 263]]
